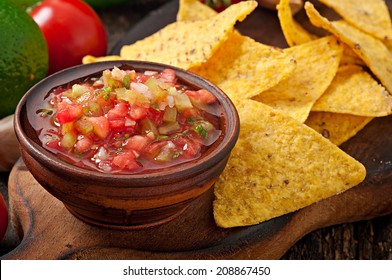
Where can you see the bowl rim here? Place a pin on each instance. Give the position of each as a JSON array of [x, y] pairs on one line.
[[221, 149]]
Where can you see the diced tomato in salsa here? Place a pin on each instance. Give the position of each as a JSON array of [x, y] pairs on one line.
[[129, 122], [137, 143], [83, 145], [119, 111], [201, 95], [125, 160], [168, 76], [100, 126], [137, 112], [68, 112]]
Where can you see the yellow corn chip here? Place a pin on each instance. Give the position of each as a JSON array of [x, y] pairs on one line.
[[371, 16], [278, 166], [388, 44], [188, 44], [338, 128], [194, 10], [372, 51], [243, 68], [350, 57], [354, 91], [293, 32], [316, 65]]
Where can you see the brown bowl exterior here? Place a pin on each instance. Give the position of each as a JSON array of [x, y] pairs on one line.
[[115, 200]]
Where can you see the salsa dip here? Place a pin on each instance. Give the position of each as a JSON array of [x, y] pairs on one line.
[[124, 121]]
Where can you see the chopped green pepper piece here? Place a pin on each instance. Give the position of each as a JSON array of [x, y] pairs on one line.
[[202, 132], [190, 120], [127, 81]]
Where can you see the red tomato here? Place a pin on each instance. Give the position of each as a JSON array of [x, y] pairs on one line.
[[101, 126], [83, 145], [119, 111], [3, 217], [137, 143], [137, 112], [169, 76], [72, 30], [68, 112], [126, 160], [202, 95]]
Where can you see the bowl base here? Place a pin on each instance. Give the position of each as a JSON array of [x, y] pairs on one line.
[[146, 225]]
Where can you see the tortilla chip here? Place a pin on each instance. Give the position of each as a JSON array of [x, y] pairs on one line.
[[371, 17], [187, 44], [388, 44], [350, 57], [354, 91], [294, 33], [278, 166], [316, 65], [372, 51], [338, 128], [194, 10], [243, 68]]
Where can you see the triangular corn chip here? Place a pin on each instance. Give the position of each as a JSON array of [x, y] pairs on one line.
[[372, 51], [316, 65], [354, 91], [370, 16], [187, 44], [337, 128], [265, 176], [293, 32], [243, 68], [194, 10]]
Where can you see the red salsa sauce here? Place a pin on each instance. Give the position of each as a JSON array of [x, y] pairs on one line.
[[128, 122]]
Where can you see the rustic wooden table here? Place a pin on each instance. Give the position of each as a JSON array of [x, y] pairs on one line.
[[371, 239]]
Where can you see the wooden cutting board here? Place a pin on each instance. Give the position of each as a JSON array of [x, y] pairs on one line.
[[48, 231]]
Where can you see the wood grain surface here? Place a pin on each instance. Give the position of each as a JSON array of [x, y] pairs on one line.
[[354, 225]]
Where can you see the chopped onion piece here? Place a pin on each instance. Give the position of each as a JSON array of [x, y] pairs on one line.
[[142, 88], [118, 74], [102, 154], [129, 122], [150, 73], [170, 101]]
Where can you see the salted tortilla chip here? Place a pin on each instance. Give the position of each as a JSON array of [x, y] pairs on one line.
[[337, 128], [354, 91], [278, 166], [243, 68], [187, 44], [293, 32], [194, 10], [371, 17], [316, 65], [372, 51]]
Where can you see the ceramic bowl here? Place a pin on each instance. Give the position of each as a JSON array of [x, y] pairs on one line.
[[123, 201]]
